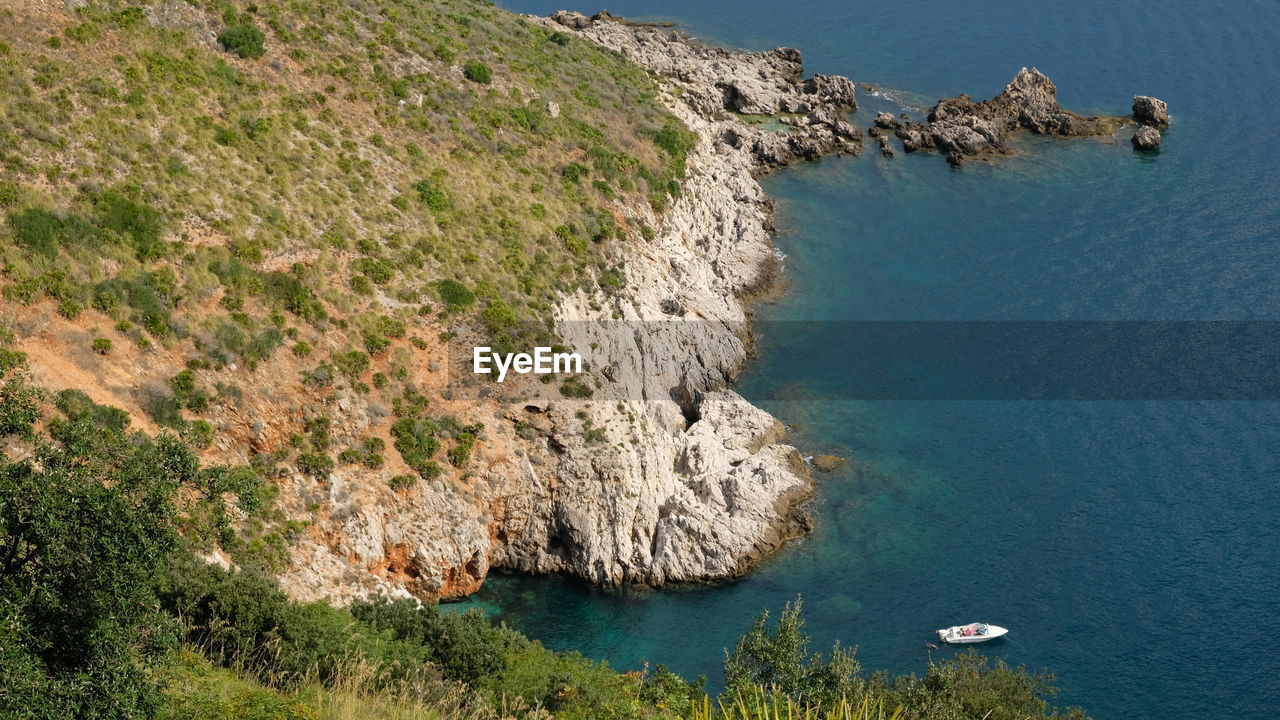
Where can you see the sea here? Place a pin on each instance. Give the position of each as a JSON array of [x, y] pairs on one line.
[[1126, 531]]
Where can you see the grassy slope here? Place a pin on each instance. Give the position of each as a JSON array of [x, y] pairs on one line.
[[166, 204]]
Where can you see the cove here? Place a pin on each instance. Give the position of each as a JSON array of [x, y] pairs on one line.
[[1131, 546]]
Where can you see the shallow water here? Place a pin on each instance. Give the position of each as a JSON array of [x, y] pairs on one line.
[[1106, 534]]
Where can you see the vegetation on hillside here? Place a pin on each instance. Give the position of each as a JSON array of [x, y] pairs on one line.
[[107, 612], [349, 179], [220, 180]]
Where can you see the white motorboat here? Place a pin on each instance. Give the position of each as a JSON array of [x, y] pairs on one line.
[[971, 633]]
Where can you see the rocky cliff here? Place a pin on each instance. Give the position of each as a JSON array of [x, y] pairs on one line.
[[665, 474]]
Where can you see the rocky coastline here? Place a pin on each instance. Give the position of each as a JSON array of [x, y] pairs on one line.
[[963, 129], [665, 474]]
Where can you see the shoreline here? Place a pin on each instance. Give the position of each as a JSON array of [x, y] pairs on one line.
[[666, 474], [714, 496]]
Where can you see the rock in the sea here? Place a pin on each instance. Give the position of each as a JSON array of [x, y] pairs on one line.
[[827, 463], [1147, 138], [961, 127], [886, 120], [885, 148], [1150, 111]]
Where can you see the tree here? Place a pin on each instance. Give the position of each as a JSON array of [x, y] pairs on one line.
[[779, 659], [84, 524]]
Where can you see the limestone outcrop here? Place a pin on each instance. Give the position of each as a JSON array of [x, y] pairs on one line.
[[683, 480], [719, 84], [1150, 111], [1146, 138], [963, 128], [664, 474]]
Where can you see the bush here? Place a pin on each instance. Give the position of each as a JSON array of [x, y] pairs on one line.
[[780, 659], [18, 408], [455, 294], [317, 465], [477, 71], [165, 410], [416, 441], [576, 388], [379, 270], [140, 225], [243, 40], [288, 290], [431, 194], [352, 363], [401, 481], [573, 172], [102, 345]]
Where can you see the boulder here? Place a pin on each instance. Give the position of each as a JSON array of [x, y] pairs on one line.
[[1147, 138], [1150, 111], [827, 463], [886, 121]]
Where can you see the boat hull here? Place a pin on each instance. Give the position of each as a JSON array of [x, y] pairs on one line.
[[982, 633]]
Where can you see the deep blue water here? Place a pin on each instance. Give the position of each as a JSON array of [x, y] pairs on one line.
[[1133, 547]]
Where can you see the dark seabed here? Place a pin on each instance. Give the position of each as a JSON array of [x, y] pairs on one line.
[[1132, 547]]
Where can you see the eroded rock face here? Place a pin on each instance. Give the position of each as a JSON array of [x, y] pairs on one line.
[[1146, 138], [1150, 111], [665, 474], [684, 480]]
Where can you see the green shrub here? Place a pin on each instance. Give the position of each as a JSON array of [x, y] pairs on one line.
[[165, 410], [84, 526], [301, 348], [199, 433], [379, 270], [431, 194], [477, 71], [416, 441], [573, 172], [77, 406], [246, 41], [575, 388], [375, 343], [19, 410], [352, 363], [138, 224], [455, 294], [317, 465], [43, 232], [290, 292], [398, 482]]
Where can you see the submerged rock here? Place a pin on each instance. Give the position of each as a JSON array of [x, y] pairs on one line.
[[1147, 138], [827, 463], [1150, 111]]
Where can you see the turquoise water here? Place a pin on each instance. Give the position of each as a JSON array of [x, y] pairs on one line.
[[1105, 534]]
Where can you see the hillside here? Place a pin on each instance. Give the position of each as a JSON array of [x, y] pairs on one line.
[[247, 243]]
